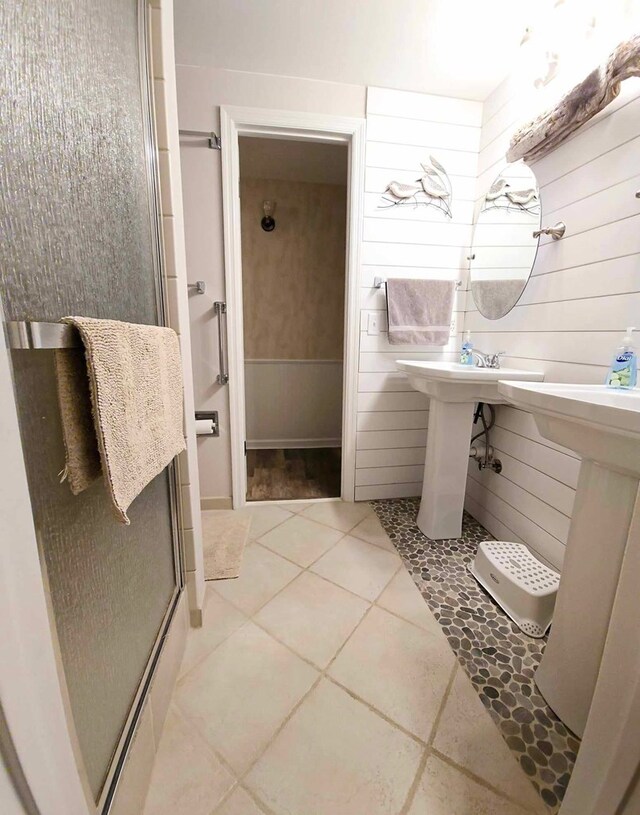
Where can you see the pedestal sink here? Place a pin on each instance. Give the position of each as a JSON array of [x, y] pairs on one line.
[[453, 390], [602, 426]]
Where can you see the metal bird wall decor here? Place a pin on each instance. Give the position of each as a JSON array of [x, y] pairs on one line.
[[501, 195], [432, 189]]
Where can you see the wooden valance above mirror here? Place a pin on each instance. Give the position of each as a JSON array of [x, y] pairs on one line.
[[550, 129]]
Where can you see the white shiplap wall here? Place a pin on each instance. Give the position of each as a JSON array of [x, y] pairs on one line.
[[403, 129], [584, 290]]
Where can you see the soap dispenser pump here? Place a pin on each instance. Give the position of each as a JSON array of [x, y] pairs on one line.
[[466, 355], [623, 373]]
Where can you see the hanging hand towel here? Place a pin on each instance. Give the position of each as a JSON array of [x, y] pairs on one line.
[[131, 381], [419, 311]]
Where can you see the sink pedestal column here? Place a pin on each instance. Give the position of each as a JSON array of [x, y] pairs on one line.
[[445, 475], [597, 540]]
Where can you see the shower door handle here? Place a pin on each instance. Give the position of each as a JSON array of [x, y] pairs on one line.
[[220, 310]]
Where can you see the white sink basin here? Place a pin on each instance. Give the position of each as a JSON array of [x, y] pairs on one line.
[[597, 422], [453, 390], [453, 382], [603, 427]]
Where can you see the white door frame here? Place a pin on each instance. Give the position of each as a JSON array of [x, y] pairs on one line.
[[261, 122]]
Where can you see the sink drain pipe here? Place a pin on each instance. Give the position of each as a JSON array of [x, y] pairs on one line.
[[482, 452]]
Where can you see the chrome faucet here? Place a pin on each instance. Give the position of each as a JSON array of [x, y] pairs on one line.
[[484, 360]]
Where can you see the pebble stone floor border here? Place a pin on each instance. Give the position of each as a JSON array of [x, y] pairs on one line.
[[499, 659]]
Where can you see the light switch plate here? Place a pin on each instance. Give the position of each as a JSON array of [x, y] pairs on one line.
[[373, 323]]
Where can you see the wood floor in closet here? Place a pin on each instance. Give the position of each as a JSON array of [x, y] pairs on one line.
[[276, 475]]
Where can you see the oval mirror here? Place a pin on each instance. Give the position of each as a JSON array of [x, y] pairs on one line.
[[504, 248]]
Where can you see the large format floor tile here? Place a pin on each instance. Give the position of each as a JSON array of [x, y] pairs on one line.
[[264, 517], [402, 597], [295, 506], [370, 529], [467, 735], [313, 617], [336, 757], [301, 540], [255, 730], [444, 790], [339, 515], [398, 668], [242, 692], [220, 619], [263, 574], [358, 566], [239, 803], [187, 778]]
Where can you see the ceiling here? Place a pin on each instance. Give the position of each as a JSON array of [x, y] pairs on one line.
[[459, 48], [289, 160]]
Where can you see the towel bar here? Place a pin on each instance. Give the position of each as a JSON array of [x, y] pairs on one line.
[[378, 283], [213, 139], [220, 310], [25, 335]]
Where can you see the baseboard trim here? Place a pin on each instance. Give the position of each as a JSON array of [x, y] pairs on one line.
[[291, 444], [220, 502]]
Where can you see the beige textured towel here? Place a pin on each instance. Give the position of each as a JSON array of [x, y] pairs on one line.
[[419, 311], [131, 382], [224, 536]]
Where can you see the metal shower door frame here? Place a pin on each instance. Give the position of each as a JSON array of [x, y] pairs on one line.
[[56, 698]]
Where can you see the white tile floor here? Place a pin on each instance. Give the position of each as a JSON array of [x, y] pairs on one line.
[[321, 684]]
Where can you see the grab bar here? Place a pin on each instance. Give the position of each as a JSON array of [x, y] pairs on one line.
[[220, 310]]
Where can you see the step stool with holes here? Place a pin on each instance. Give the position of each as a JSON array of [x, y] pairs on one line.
[[521, 584]]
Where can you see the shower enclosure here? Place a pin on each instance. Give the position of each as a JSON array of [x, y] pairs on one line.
[[80, 236]]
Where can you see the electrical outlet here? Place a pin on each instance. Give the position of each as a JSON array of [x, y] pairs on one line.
[[373, 323]]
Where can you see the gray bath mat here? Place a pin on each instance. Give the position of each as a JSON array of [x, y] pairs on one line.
[[224, 536]]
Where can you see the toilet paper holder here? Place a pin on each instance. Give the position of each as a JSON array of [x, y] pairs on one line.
[[210, 415]]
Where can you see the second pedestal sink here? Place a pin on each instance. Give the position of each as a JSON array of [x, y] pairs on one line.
[[454, 389], [602, 426]]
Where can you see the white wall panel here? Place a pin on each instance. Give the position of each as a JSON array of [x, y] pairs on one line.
[[410, 105], [584, 290], [393, 420], [390, 457], [389, 475], [373, 493], [311, 411], [403, 130]]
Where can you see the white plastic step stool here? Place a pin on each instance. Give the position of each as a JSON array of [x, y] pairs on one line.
[[521, 584]]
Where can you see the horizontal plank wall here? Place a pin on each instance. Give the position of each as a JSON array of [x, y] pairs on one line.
[[403, 130], [584, 290]]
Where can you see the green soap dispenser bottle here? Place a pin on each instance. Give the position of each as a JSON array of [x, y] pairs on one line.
[[623, 373]]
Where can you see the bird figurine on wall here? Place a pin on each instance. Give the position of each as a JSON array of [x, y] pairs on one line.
[[402, 191], [497, 189], [502, 196], [433, 189], [521, 197], [431, 183], [436, 185]]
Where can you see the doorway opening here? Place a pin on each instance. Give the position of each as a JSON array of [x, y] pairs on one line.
[[293, 215]]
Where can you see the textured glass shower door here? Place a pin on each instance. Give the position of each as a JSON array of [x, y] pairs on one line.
[[79, 236]]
